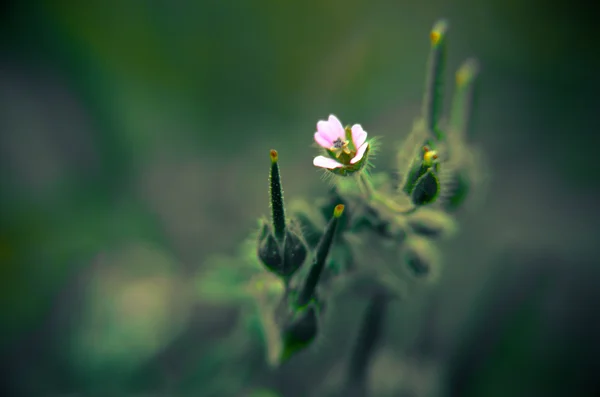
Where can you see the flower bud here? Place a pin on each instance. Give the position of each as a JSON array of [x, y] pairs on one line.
[[268, 249], [426, 189], [301, 329], [282, 259], [294, 253]]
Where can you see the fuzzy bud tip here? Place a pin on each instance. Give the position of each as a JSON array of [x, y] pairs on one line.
[[467, 72], [338, 210], [438, 32], [274, 155]]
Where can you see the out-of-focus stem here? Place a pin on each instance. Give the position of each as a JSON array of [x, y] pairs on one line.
[[365, 346], [462, 101], [433, 98]]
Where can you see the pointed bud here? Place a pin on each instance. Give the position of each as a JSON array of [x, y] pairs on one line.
[[426, 189], [422, 257], [433, 98], [320, 258], [432, 223], [276, 193], [461, 113]]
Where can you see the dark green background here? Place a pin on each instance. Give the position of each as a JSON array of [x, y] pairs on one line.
[[134, 140]]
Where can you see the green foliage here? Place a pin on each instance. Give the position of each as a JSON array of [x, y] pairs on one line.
[[368, 230]]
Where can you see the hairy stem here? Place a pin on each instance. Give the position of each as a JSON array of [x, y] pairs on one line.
[[371, 193], [364, 184]]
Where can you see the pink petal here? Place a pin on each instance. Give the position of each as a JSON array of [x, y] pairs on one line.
[[325, 162], [336, 127], [322, 141], [359, 136], [324, 129], [360, 153]]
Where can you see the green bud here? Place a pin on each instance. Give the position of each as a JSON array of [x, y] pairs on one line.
[[301, 329], [416, 170], [426, 189], [432, 223], [282, 259], [268, 249], [421, 257], [294, 253]]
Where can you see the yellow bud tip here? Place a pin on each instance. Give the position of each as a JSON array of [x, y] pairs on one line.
[[274, 156], [338, 210], [438, 32], [429, 156], [467, 72]]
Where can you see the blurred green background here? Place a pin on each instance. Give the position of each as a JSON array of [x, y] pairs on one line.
[[134, 139]]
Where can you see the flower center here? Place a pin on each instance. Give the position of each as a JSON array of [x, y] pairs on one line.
[[340, 147]]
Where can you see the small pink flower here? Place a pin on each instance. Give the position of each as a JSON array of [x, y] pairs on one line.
[[346, 147]]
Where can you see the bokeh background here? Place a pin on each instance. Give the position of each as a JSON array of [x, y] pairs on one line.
[[134, 140]]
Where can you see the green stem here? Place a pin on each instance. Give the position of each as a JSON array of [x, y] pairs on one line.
[[365, 345], [462, 102], [392, 206], [433, 98], [322, 250], [371, 194], [364, 184]]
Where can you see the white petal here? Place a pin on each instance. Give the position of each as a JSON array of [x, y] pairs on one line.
[[359, 136], [325, 162], [360, 153]]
